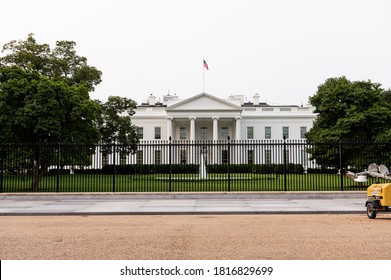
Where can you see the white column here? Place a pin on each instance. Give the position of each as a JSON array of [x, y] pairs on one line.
[[192, 156], [169, 128], [215, 129], [192, 128], [238, 128], [214, 151]]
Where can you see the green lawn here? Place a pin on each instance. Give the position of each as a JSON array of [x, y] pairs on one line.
[[182, 183]]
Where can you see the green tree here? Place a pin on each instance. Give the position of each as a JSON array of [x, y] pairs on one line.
[[348, 111], [44, 98], [34, 108], [62, 62], [115, 125]]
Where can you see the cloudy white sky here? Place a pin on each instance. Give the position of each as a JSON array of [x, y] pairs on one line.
[[281, 49]]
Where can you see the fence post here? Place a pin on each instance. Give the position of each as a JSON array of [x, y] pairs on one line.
[[229, 164], [58, 168], [170, 163], [284, 167], [340, 164], [114, 166], [2, 155]]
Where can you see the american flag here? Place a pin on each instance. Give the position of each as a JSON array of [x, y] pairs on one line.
[[206, 65]]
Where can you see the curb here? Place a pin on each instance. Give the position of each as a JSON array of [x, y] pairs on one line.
[[190, 213], [190, 195]]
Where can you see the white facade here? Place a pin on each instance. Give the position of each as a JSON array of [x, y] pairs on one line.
[[207, 117]]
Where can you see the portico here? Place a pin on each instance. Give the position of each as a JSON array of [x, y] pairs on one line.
[[210, 118]]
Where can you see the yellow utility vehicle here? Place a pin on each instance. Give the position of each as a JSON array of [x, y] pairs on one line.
[[379, 199]]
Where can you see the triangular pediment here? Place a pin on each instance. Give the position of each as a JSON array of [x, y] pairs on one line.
[[204, 102]]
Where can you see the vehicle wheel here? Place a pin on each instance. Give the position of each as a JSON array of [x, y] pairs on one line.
[[371, 212]]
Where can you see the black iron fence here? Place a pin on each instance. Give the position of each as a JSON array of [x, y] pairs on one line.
[[184, 166]]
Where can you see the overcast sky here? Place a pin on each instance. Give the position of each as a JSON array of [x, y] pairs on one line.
[[281, 49]]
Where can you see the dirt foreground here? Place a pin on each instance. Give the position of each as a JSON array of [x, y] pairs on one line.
[[173, 237]]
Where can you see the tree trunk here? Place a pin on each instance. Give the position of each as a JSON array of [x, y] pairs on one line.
[[39, 168]]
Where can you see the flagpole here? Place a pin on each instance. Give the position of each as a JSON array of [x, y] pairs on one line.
[[203, 76]]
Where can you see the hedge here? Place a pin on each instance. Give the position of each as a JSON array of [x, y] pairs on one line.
[[192, 169]]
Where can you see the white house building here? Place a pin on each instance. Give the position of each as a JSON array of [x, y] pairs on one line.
[[209, 120], [207, 117]]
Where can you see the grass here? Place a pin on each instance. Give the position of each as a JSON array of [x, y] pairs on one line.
[[182, 183]]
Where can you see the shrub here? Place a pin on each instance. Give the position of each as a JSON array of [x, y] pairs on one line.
[[131, 169]]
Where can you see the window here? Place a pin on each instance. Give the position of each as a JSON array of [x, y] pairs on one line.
[[303, 131], [224, 156], [139, 157], [250, 156], [285, 132], [304, 158], [140, 132], [224, 133], [182, 133], [158, 132], [250, 132], [158, 157], [183, 156], [268, 132], [204, 133]]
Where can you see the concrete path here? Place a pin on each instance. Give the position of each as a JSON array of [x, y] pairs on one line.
[[184, 203]]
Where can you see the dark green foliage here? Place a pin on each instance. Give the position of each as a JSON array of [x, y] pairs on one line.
[[255, 168], [134, 169], [36, 109], [44, 98], [348, 111], [322, 171], [62, 62], [115, 125]]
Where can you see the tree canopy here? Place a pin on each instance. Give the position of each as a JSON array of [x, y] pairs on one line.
[[44, 93], [349, 111], [62, 62], [44, 98], [115, 125], [35, 108]]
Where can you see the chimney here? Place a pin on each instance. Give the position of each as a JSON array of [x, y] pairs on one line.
[[239, 97], [151, 100], [256, 99], [169, 98]]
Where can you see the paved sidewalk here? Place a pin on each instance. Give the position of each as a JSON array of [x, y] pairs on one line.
[[192, 203]]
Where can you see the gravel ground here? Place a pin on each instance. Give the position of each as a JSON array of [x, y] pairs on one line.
[[177, 237]]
